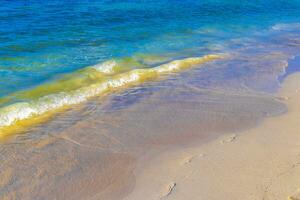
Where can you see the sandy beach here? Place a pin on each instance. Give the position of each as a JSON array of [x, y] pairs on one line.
[[150, 100], [262, 163]]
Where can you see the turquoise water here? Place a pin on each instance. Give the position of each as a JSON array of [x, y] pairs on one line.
[[39, 40], [92, 89], [47, 47]]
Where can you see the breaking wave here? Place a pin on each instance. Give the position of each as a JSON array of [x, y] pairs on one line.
[[84, 84]]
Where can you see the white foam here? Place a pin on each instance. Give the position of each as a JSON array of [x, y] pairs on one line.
[[24, 110], [121, 81], [106, 67]]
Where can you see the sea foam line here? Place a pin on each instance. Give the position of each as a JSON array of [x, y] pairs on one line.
[[16, 112]]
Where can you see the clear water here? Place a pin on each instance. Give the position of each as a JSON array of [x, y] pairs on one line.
[[40, 40], [96, 85], [45, 45]]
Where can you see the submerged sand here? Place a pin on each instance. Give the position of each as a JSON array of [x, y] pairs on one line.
[[110, 149], [99, 155], [262, 163]]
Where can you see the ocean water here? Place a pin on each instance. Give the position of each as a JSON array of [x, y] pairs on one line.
[[90, 88], [55, 54]]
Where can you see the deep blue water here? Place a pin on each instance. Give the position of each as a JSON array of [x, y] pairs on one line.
[[39, 40]]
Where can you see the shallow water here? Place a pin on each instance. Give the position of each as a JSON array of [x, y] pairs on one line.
[[46, 47], [91, 87]]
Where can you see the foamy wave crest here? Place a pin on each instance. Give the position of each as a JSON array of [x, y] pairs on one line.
[[21, 111], [106, 67], [111, 67]]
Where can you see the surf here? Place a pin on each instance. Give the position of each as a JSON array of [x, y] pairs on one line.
[[38, 104]]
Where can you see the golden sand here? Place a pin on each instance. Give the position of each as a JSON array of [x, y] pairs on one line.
[[259, 164]]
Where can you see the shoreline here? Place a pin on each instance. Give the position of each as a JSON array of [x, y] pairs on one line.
[[260, 163], [150, 100], [101, 156], [40, 104]]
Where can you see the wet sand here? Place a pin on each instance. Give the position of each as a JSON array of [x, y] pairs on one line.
[[107, 147], [260, 163], [97, 156]]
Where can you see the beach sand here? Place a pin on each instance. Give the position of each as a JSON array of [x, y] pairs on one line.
[[262, 163], [163, 146]]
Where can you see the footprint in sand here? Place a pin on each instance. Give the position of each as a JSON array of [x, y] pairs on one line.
[[231, 138], [295, 196], [168, 189], [189, 159]]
